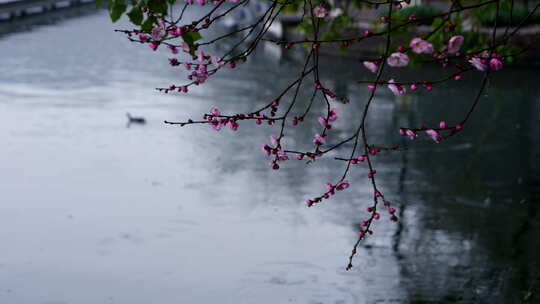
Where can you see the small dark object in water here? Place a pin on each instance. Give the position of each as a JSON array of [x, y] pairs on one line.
[[137, 120]]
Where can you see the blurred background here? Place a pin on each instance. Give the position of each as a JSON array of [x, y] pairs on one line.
[[97, 210]]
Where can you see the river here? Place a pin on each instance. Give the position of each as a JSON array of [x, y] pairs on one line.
[[97, 211]]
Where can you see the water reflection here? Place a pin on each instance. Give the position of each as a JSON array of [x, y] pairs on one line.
[[97, 213]]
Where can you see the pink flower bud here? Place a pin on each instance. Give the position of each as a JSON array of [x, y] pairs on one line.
[[153, 46], [495, 64], [442, 125]]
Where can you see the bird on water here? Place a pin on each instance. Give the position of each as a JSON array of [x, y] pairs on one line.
[[135, 119]]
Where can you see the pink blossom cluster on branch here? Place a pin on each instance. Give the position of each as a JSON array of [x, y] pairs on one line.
[[446, 45]]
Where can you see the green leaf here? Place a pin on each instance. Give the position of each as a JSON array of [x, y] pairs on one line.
[[99, 4], [148, 24], [158, 6], [118, 9], [135, 15], [191, 37]]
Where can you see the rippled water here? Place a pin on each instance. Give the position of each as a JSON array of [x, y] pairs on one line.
[[93, 211]]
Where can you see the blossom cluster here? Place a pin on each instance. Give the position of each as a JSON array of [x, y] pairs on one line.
[[447, 46]]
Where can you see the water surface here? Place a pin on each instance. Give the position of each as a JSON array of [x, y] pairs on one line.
[[95, 212]]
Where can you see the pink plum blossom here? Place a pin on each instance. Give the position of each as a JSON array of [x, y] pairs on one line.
[[233, 125], [318, 140], [442, 125], [185, 46], [412, 135], [216, 61], [273, 140], [372, 66], [434, 135], [200, 56], [398, 60], [396, 89], [420, 46], [454, 44], [266, 149], [215, 112], [333, 115], [158, 32], [495, 64], [178, 31], [173, 49], [143, 37], [320, 11], [153, 46], [323, 122], [282, 155], [342, 185], [478, 63]]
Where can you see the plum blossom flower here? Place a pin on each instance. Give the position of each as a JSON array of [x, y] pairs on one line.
[[185, 47], [273, 140], [266, 149], [216, 61], [398, 60], [329, 186], [177, 31], [342, 185], [454, 44], [434, 135], [323, 122], [281, 155], [158, 32], [372, 66], [215, 123], [333, 115], [412, 135], [173, 49], [153, 46], [320, 11], [478, 63], [233, 125], [318, 140], [420, 46], [442, 125], [495, 64], [200, 56], [395, 88], [143, 37], [215, 112]]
